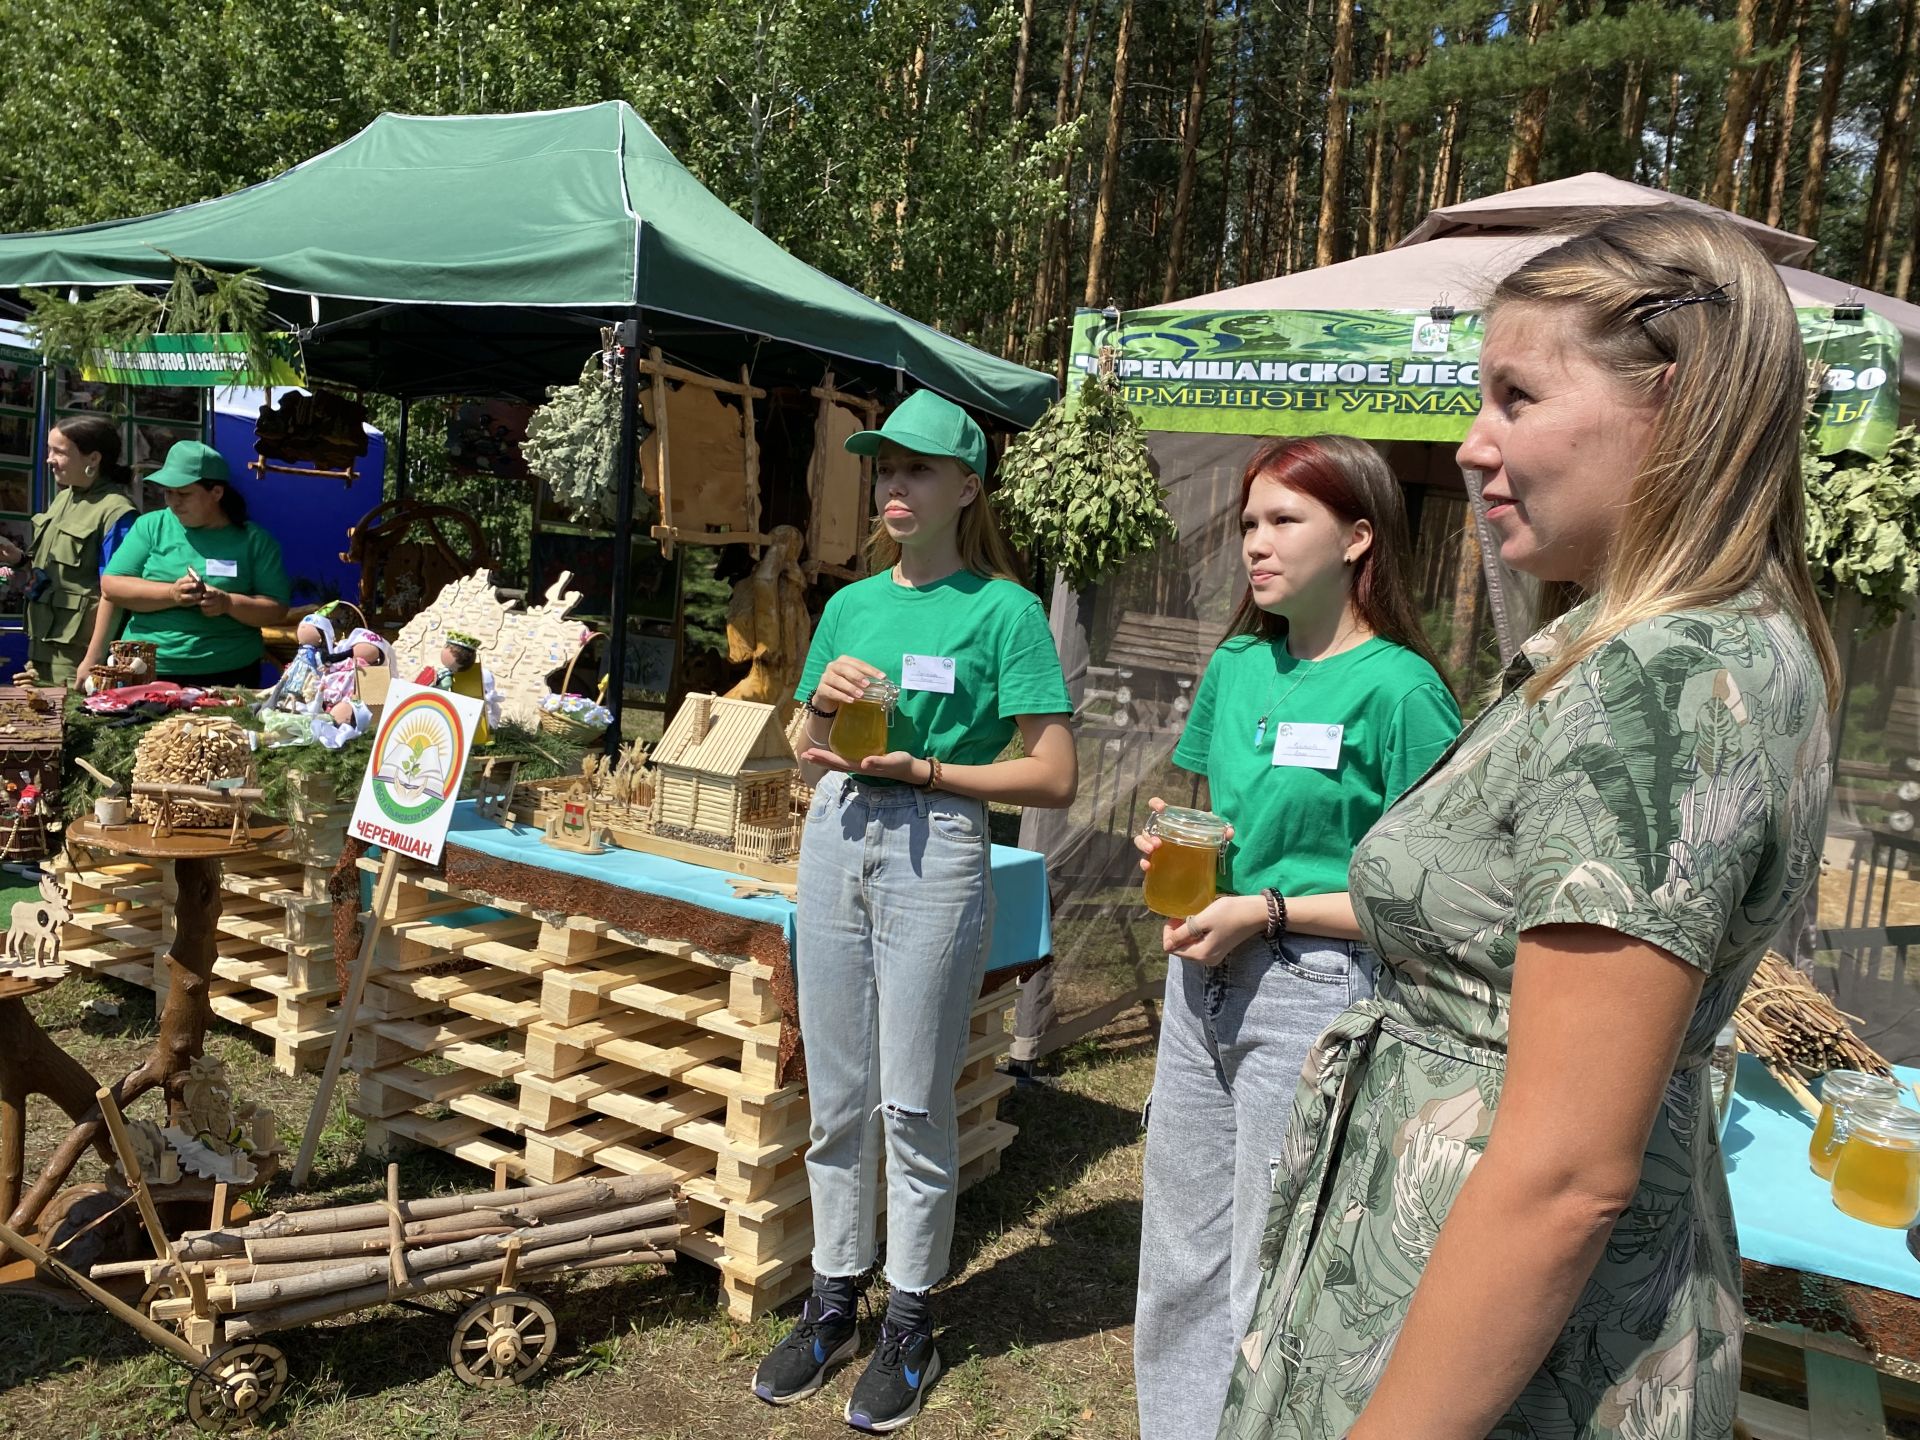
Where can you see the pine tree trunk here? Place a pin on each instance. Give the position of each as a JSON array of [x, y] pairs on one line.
[[1226, 152], [1813, 187], [1739, 108], [1296, 144], [1110, 162], [1443, 157], [1883, 207], [1021, 51], [1397, 188], [1190, 123], [1053, 241], [1789, 112], [1530, 118], [1673, 127], [1377, 156], [1333, 156], [1633, 115]]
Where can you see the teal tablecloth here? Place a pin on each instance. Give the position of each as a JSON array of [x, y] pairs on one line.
[[1784, 1212], [1022, 922]]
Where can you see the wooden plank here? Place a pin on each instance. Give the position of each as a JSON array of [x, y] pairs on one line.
[[1843, 1399]]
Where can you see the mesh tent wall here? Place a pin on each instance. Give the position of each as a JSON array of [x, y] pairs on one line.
[[1136, 644]]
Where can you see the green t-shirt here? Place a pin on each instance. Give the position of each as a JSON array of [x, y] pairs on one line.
[[993, 631], [244, 560], [1295, 826]]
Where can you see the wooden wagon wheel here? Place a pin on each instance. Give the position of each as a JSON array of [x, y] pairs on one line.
[[237, 1386], [502, 1339]]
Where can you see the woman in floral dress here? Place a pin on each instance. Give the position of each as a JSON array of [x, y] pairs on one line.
[[1502, 1210]]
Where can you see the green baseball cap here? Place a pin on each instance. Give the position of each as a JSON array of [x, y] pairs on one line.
[[188, 463], [928, 424]]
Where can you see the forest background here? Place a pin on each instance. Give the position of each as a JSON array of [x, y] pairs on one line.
[[987, 167]]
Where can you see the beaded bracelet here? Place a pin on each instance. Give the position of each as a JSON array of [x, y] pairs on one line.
[[813, 709], [933, 773], [1276, 918]]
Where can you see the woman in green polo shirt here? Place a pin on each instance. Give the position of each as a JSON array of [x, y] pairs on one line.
[[1322, 706], [199, 579]]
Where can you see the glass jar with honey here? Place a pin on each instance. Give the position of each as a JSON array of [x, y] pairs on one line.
[[1180, 873], [1840, 1091], [1877, 1177], [860, 726]]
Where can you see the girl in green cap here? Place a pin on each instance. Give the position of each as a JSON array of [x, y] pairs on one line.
[[895, 912]]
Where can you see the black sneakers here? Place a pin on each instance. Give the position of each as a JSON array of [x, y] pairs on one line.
[[798, 1365], [888, 1395]]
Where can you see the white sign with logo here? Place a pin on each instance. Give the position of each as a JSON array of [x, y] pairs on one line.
[[420, 755]]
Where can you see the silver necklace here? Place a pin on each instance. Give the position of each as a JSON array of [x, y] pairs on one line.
[[1306, 668]]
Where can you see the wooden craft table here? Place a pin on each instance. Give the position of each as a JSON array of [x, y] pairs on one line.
[[194, 857]]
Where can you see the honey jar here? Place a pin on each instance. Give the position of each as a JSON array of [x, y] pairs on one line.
[[1839, 1092], [1877, 1177], [1180, 873], [860, 726]]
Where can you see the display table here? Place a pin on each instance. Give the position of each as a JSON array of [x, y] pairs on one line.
[[1832, 1304], [1784, 1212], [544, 1014]]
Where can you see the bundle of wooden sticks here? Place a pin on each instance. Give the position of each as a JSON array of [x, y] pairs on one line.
[[293, 1268], [1795, 1031]]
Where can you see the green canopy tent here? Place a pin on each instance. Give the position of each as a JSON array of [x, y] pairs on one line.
[[477, 255]]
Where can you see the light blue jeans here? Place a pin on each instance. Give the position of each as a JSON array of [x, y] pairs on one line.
[[895, 912], [1233, 1039]]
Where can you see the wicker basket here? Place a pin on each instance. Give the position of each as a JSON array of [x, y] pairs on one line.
[[565, 727]]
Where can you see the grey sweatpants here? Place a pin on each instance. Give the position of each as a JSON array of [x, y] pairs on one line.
[[1232, 1040]]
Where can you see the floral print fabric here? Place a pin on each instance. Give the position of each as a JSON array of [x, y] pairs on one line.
[[1672, 788]]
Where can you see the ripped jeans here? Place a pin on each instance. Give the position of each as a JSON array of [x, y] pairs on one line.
[[894, 917], [1233, 1039]]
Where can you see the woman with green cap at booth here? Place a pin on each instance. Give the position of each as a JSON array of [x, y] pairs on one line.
[[894, 911], [199, 579], [73, 538]]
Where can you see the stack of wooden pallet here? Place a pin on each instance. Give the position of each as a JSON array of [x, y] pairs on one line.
[[548, 1046], [275, 972]]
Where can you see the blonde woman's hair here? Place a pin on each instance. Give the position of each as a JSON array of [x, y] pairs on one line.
[[1718, 504], [983, 549]]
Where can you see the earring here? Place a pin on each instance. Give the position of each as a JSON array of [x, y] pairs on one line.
[[91, 470]]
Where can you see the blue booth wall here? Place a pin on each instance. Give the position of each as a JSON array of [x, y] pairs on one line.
[[308, 515]]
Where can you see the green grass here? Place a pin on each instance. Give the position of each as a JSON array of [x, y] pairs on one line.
[[1036, 1333]]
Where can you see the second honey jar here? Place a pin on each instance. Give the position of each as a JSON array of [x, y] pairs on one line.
[[1181, 875], [1877, 1178], [1840, 1091]]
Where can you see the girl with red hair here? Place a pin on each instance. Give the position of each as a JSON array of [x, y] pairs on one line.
[[1322, 706]]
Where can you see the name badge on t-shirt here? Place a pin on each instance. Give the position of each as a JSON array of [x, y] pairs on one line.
[[927, 672], [1317, 747], [222, 569]]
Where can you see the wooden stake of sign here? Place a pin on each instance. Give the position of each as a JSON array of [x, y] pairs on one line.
[[665, 451], [349, 1008]]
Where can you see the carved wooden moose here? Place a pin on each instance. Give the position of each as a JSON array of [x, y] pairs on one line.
[[33, 936]]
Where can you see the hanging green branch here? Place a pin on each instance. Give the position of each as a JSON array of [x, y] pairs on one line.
[[572, 443], [1079, 487], [1863, 525], [201, 300]]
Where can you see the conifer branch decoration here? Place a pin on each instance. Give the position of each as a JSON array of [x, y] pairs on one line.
[[200, 300]]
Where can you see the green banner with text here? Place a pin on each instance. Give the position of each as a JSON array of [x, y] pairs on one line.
[[1402, 374], [208, 361]]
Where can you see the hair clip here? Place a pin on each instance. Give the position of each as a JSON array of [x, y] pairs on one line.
[[1651, 307]]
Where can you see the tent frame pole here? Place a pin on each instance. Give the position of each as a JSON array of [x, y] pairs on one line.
[[628, 340], [400, 452]]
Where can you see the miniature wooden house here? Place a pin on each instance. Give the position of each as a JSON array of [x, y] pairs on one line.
[[722, 772]]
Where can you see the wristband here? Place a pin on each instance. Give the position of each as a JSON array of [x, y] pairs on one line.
[[1276, 918], [933, 773]]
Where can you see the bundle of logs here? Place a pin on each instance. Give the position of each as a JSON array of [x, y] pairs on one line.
[[295, 1268], [1793, 1029]]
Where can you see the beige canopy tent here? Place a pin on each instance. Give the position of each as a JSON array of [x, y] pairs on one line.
[[1135, 646], [1455, 256]]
